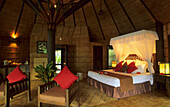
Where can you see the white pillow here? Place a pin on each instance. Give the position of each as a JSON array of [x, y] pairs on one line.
[[144, 63], [141, 69]]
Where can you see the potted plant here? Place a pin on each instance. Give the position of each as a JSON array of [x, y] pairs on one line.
[[45, 74]]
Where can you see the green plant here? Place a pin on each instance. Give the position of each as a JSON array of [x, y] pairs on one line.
[[45, 74]]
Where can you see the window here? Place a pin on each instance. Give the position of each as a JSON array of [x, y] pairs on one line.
[[111, 56], [58, 60]]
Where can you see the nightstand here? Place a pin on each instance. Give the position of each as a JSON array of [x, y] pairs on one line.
[[162, 82]]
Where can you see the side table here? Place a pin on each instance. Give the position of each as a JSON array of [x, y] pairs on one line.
[[162, 79]]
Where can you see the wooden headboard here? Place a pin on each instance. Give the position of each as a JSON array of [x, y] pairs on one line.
[[133, 57]]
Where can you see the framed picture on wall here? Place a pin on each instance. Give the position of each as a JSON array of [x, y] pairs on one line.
[[41, 46]]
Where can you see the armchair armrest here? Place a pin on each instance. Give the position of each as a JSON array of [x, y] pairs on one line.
[[45, 87], [72, 91], [18, 87]]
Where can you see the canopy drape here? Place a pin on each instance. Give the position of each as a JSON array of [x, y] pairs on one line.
[[140, 43]]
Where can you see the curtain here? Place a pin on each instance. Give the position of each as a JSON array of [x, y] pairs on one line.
[[121, 51]]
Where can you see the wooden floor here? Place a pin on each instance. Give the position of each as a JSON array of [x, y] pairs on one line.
[[92, 97]]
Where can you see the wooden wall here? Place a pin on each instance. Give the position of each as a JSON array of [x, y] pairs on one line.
[[166, 43], [20, 53], [80, 56]]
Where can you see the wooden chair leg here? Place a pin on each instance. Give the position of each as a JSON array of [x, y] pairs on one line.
[[78, 100], [7, 101], [39, 104], [29, 95], [67, 105], [7, 98]]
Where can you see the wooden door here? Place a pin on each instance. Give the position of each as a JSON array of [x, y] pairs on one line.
[[97, 57]]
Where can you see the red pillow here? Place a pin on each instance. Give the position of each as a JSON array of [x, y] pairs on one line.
[[132, 67], [16, 75], [65, 78], [118, 66]]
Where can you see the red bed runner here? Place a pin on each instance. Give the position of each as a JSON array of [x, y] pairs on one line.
[[126, 82]]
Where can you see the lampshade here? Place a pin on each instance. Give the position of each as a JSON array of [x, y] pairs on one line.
[[164, 68], [114, 63]]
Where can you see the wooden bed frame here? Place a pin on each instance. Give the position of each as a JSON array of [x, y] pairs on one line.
[[12, 89]]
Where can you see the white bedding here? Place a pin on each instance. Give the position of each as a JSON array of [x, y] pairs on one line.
[[113, 81]]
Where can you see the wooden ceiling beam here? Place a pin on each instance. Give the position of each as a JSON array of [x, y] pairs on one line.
[[43, 9], [112, 16], [72, 9], [64, 19], [2, 5], [150, 12], [84, 16], [19, 18], [65, 9], [74, 19], [127, 15], [45, 1], [98, 19], [35, 19], [35, 9], [57, 13]]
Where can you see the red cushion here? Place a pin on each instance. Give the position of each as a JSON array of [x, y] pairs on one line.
[[124, 68], [132, 67], [118, 66], [16, 75], [65, 78]]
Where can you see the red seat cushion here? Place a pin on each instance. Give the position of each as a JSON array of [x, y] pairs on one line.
[[118, 66], [16, 75], [65, 78], [132, 67]]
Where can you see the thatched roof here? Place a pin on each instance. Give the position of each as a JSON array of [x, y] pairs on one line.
[[104, 18]]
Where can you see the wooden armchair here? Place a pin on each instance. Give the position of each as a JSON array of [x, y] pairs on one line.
[[8, 90], [52, 93]]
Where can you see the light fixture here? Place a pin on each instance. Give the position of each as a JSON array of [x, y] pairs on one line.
[[13, 45], [14, 36], [55, 6], [164, 68], [14, 39], [114, 63]]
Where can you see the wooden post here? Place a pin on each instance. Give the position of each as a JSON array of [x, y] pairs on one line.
[[6, 72], [160, 57], [51, 46], [7, 97], [29, 88], [168, 48]]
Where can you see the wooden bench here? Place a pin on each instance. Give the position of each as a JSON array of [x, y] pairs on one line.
[[52, 93]]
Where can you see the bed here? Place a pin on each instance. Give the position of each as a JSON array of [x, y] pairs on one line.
[[111, 85], [140, 43]]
